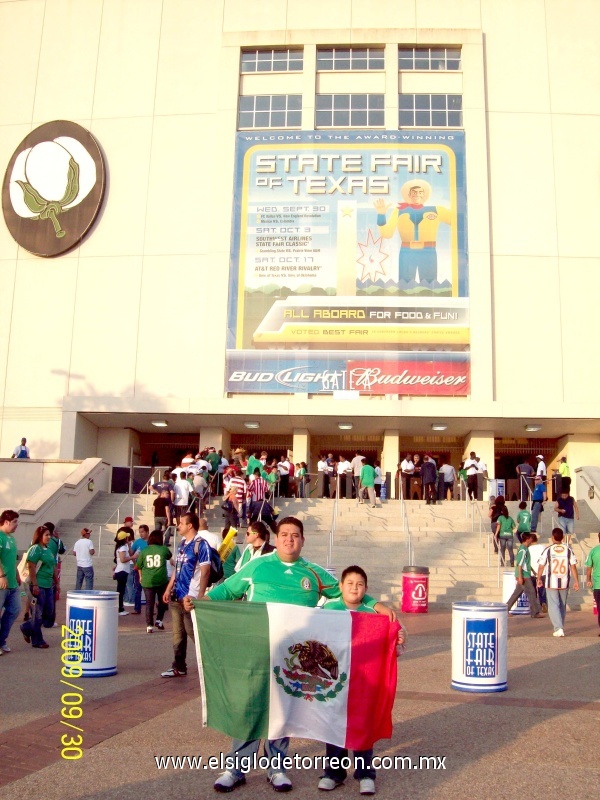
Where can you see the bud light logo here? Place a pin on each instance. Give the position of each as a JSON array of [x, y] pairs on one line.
[[83, 621], [481, 648]]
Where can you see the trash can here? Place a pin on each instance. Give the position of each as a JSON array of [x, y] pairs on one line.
[[415, 590], [509, 582], [479, 640], [95, 613]]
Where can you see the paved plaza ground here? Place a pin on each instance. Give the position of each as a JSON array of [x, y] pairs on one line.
[[538, 738]]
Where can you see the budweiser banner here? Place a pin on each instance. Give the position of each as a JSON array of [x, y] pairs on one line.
[[349, 264]]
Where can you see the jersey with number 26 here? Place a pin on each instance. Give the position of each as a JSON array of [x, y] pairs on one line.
[[556, 561]]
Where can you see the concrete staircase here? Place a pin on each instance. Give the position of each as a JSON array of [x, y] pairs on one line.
[[443, 539]]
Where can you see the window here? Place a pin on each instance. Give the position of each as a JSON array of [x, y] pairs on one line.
[[349, 110], [428, 58], [281, 60], [430, 110], [349, 58], [270, 111]]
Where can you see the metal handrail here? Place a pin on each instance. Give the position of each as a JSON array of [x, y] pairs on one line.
[[463, 486], [410, 553], [117, 512], [333, 528]]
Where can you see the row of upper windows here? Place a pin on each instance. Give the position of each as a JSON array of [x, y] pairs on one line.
[[350, 111], [344, 59]]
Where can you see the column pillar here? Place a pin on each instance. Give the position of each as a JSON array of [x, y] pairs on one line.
[[389, 458], [219, 438], [482, 442], [301, 445]]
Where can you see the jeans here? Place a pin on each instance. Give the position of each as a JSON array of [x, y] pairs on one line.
[[41, 612], [529, 588], [10, 608], [566, 525], [536, 510], [541, 591], [88, 574], [596, 598], [137, 592], [121, 584], [129, 588], [160, 523], [182, 628], [472, 486], [557, 607], [429, 492], [152, 594], [507, 544], [275, 751], [362, 763]]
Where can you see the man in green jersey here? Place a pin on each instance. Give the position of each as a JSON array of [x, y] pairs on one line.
[[592, 563], [524, 581], [367, 484], [10, 596], [279, 577]]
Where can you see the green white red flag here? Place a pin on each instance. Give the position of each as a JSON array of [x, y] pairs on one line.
[[269, 670]]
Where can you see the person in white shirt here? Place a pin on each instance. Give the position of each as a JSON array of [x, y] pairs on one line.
[[407, 468], [21, 450], [211, 538], [83, 550], [344, 468], [283, 468], [183, 493], [357, 465], [472, 467], [447, 477], [558, 564], [541, 467]]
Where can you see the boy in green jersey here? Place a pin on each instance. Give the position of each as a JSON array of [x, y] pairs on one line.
[[353, 587], [151, 566], [523, 521], [524, 581]]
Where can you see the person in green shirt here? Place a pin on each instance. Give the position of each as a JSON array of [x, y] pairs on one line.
[[367, 484], [10, 596], [151, 566], [523, 521], [592, 564], [524, 579], [279, 577], [504, 535], [42, 577]]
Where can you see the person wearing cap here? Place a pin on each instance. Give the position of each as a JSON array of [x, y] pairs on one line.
[[541, 467], [83, 550], [122, 559]]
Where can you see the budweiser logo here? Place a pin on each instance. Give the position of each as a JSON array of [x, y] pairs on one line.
[[421, 379]]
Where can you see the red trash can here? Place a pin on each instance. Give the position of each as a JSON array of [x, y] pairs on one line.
[[415, 590]]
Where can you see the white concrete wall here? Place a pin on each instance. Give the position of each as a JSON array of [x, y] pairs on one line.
[[19, 479], [157, 82]]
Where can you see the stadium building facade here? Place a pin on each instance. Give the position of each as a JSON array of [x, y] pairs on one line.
[[306, 226]]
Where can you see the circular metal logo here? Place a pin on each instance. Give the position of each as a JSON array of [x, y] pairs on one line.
[[53, 188]]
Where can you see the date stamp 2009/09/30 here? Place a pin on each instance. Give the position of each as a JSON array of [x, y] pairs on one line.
[[71, 701]]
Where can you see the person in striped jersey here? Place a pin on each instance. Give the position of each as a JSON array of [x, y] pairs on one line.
[[558, 564]]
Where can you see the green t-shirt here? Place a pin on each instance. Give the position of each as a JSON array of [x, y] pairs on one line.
[[367, 475], [45, 573], [152, 563], [214, 459], [230, 562], [270, 477], [8, 558], [57, 548], [339, 605], [462, 473], [507, 525], [593, 561], [269, 580], [253, 463], [524, 521], [523, 561]]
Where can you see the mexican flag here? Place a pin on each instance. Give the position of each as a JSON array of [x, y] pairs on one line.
[[269, 670]]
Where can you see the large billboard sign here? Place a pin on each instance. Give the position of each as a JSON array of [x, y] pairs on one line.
[[349, 264]]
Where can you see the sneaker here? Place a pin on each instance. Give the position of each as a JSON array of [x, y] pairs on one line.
[[280, 782], [159, 625], [42, 646], [130, 605], [26, 636], [55, 625], [366, 786], [227, 782], [136, 612], [123, 613], [149, 628], [373, 506], [559, 632], [5, 649], [175, 673], [329, 784]]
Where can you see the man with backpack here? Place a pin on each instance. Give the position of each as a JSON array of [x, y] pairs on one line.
[[190, 579]]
